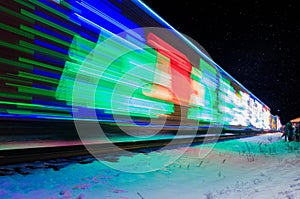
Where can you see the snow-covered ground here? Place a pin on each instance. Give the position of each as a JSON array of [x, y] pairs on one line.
[[255, 167]]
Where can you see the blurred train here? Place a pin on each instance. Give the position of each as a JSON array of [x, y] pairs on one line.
[[116, 62]]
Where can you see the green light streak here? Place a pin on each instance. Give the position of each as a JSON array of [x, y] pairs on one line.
[[15, 96], [54, 11], [22, 17], [16, 31], [22, 2], [16, 47], [15, 78], [47, 22], [46, 36], [44, 107], [43, 50], [20, 103], [19, 112], [196, 74], [15, 63], [38, 77], [33, 91], [36, 107], [36, 113], [39, 64]]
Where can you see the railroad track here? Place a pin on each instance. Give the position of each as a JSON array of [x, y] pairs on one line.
[[25, 155]]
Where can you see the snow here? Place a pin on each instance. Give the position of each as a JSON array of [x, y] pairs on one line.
[[255, 167]]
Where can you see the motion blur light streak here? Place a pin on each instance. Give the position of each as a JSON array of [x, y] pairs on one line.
[[44, 44]]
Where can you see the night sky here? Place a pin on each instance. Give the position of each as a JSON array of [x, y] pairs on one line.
[[257, 42]]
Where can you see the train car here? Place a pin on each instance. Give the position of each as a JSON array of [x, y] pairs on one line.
[[114, 62]]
